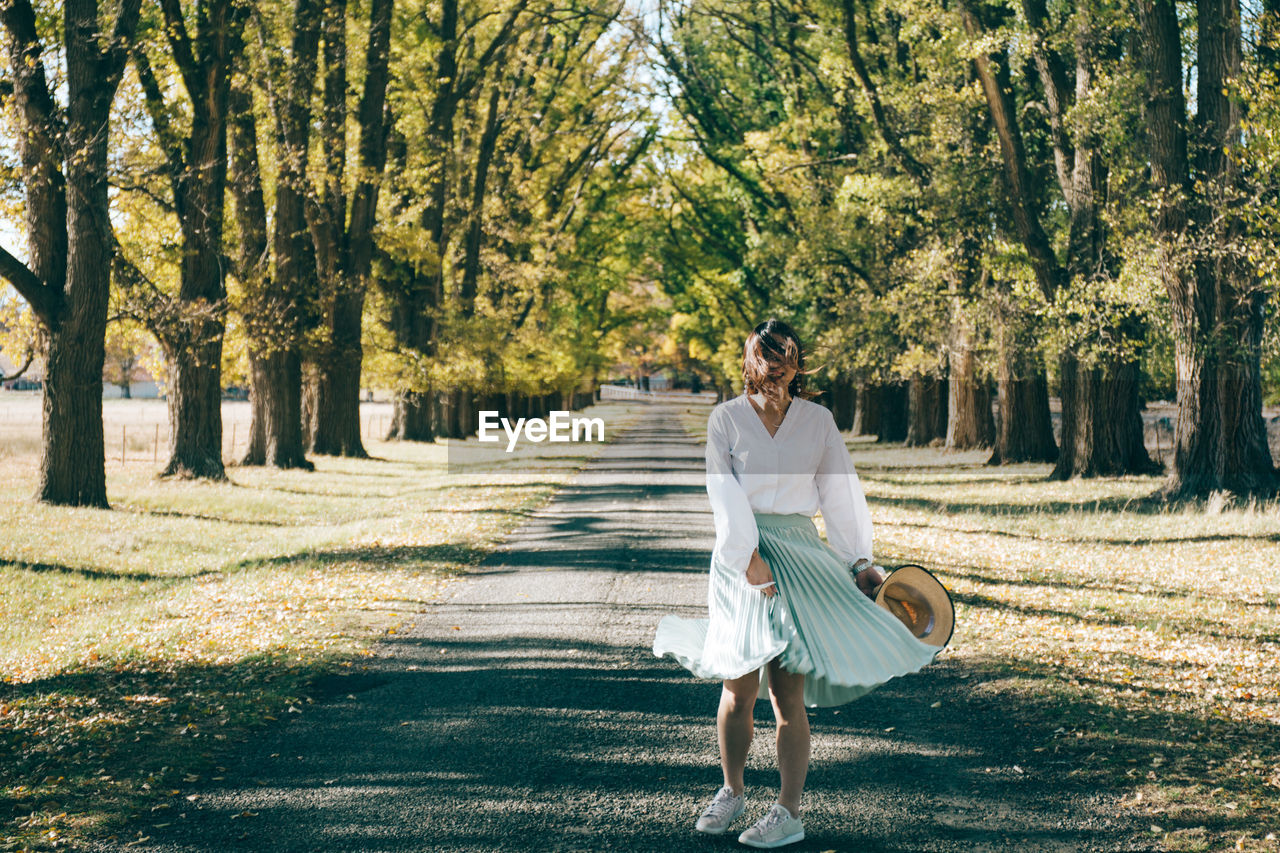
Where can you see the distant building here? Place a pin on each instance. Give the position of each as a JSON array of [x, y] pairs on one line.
[[142, 386]]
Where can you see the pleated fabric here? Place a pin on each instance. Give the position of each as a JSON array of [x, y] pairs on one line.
[[819, 624]]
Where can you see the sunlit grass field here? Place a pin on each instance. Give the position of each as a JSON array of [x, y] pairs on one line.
[[1145, 636], [190, 612]]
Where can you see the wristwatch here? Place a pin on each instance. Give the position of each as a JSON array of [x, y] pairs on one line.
[[856, 567]]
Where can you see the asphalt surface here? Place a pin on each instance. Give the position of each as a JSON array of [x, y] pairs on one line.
[[527, 712]]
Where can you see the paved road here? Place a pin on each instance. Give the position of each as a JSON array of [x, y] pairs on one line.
[[527, 712]]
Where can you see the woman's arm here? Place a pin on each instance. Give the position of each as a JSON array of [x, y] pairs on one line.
[[736, 533], [840, 499]]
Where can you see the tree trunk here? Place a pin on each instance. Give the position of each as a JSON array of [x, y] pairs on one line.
[[1101, 423], [275, 434], [866, 419], [279, 361], [969, 424], [1025, 430], [73, 468], [927, 410], [337, 430], [844, 398], [195, 405], [468, 421], [337, 424], [310, 393], [73, 465], [411, 417], [1100, 407], [893, 412]]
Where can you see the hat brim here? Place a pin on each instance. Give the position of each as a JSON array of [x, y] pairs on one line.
[[920, 601]]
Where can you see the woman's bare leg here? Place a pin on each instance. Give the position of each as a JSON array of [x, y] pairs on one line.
[[734, 724], [786, 691]]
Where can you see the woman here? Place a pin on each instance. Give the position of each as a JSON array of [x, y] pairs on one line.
[[786, 621]]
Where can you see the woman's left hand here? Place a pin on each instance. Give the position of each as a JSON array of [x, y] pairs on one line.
[[869, 580]]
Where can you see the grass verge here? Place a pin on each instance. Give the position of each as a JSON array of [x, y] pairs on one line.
[[137, 644]]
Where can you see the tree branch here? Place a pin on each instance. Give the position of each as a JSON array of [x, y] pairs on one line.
[[170, 142], [465, 84], [117, 53], [180, 43], [43, 300], [913, 166], [31, 356]]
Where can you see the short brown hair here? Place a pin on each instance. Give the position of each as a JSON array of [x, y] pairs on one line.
[[771, 345]]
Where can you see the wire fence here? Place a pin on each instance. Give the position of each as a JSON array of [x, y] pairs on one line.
[[138, 432]]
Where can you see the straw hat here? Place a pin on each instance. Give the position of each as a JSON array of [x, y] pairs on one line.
[[920, 601]]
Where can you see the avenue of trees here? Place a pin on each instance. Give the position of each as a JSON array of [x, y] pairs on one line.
[[966, 205], [270, 187], [950, 192]]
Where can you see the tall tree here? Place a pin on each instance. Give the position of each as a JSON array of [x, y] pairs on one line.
[[279, 280], [343, 231], [190, 325], [66, 279], [418, 299], [1218, 302], [1101, 424]]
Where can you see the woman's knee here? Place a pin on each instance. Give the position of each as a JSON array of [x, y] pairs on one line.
[[739, 695], [786, 692]]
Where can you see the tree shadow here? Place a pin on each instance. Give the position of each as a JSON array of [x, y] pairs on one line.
[[488, 743], [97, 574], [1143, 506], [196, 516], [1087, 540]]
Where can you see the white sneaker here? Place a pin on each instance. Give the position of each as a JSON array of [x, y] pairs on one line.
[[776, 829], [723, 809]]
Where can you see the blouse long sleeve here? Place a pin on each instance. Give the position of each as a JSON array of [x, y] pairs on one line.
[[840, 498], [736, 533]]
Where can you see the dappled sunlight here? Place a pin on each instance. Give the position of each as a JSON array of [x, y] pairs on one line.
[[194, 608]]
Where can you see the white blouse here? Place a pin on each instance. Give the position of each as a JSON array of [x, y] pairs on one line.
[[803, 468]]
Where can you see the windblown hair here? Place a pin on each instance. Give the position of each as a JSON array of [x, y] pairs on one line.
[[771, 348]]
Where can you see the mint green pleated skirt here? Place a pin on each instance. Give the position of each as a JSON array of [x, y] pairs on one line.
[[819, 624]]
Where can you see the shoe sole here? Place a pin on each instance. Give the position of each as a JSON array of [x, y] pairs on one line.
[[722, 830], [781, 842]]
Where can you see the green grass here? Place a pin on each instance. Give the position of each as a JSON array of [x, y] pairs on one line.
[[1144, 636], [136, 643]]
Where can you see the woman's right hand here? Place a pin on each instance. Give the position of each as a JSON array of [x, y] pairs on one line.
[[758, 572]]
